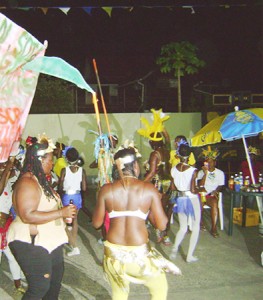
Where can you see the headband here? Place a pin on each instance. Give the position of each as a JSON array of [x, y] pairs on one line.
[[121, 161], [44, 140]]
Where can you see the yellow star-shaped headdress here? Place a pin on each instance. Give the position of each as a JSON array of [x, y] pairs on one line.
[[209, 153], [151, 131], [253, 150]]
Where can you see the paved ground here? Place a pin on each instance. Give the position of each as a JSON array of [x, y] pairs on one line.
[[229, 267]]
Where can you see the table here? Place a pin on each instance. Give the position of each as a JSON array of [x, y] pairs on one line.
[[246, 195]]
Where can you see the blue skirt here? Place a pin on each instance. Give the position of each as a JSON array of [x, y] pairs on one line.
[[184, 205]]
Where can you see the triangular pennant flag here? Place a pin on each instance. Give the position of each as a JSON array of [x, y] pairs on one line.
[[108, 10], [44, 9], [64, 9], [87, 10]]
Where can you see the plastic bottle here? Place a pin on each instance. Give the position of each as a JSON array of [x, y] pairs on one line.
[[260, 179], [69, 221], [237, 185], [247, 182], [231, 183], [241, 179]]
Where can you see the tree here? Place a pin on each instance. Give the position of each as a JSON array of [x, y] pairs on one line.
[[53, 95], [179, 58]]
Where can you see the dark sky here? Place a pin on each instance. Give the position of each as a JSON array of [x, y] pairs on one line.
[[126, 44]]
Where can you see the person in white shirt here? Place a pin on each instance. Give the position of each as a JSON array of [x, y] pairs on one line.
[[187, 204], [211, 181], [71, 183]]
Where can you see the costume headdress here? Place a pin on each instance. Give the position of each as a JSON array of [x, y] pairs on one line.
[[253, 150], [43, 145], [151, 131], [130, 144], [209, 153]]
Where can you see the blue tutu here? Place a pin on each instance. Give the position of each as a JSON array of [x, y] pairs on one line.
[[184, 205]]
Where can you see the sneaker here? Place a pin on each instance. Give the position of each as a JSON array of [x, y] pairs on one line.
[[173, 255], [75, 251], [166, 240], [192, 259]]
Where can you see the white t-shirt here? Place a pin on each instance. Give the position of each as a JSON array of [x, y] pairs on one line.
[[213, 179], [72, 181]]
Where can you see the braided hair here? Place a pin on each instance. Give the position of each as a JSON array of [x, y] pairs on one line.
[[32, 164]]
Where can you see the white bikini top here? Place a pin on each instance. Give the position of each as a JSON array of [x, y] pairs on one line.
[[128, 213]]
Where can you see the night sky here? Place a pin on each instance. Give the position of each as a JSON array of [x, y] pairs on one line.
[[127, 44]]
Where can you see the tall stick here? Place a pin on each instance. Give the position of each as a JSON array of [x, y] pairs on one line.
[[102, 98], [95, 103]]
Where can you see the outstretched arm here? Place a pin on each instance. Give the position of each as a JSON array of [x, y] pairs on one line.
[[167, 139]]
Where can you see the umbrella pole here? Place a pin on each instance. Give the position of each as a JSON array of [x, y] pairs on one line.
[[259, 199], [248, 160]]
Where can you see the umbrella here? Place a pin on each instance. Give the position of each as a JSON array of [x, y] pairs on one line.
[[235, 125]]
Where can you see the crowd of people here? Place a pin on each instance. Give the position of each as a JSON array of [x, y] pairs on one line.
[[43, 187]]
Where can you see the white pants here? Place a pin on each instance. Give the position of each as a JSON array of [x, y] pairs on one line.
[[13, 265], [195, 228]]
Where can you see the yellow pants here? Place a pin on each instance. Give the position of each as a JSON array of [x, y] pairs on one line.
[[137, 269]]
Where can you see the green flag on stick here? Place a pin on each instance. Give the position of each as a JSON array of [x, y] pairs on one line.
[[58, 67]]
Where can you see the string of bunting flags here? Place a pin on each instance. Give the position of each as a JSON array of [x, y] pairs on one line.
[[29, 5]]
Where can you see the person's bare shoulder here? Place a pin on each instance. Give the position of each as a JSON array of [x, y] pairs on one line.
[[27, 180], [106, 188], [148, 188]]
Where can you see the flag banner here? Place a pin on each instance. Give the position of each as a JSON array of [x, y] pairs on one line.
[[17, 86], [57, 67]]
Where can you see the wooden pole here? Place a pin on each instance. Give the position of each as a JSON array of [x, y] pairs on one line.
[[102, 98], [95, 103]]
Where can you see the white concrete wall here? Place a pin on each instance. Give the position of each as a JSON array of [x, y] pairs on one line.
[[72, 129]]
